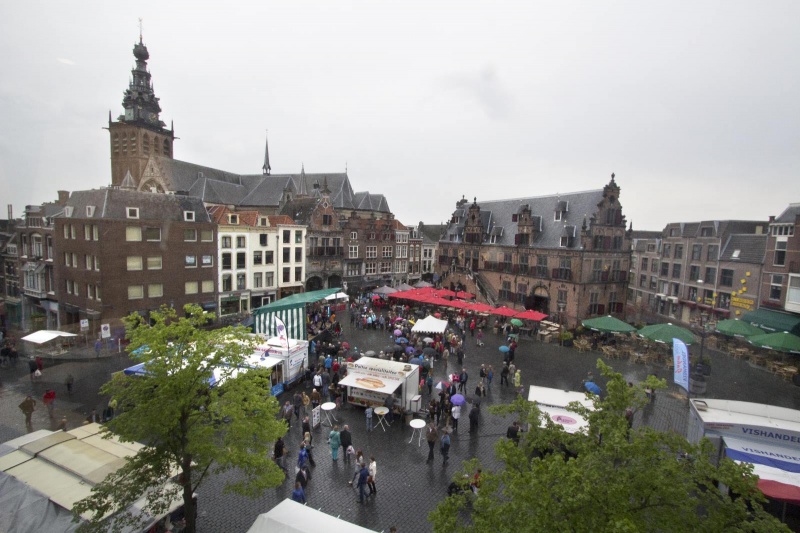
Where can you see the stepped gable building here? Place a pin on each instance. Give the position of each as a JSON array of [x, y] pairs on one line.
[[565, 255], [120, 251]]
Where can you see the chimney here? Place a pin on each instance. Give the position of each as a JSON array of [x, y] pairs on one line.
[[10, 212], [63, 196]]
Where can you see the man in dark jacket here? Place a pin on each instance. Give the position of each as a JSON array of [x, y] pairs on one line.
[[363, 477], [279, 454], [473, 418], [462, 380], [347, 441]]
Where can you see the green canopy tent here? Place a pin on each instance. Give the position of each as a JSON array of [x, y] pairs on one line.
[[782, 342], [733, 327], [664, 333], [773, 321], [608, 324], [292, 310]]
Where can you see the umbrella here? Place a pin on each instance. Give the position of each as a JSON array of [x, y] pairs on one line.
[[346, 345], [592, 387], [415, 361], [458, 399], [399, 319], [664, 333], [397, 349], [781, 341], [410, 349], [504, 311], [733, 327], [516, 322], [370, 353], [608, 324], [422, 285], [530, 314], [442, 385], [384, 290], [427, 339], [404, 287], [504, 348], [398, 332], [401, 340], [376, 296], [429, 351], [437, 315]]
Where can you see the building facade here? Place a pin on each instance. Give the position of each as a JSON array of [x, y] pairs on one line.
[[780, 282]]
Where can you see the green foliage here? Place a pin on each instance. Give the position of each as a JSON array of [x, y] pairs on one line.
[[609, 479], [187, 427]]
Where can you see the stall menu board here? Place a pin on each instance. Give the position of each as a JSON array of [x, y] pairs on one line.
[[315, 417], [366, 397]]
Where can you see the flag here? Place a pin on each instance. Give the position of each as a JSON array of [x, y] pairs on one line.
[[280, 329], [681, 357]]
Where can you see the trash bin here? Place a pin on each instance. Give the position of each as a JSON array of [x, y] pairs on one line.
[[697, 383]]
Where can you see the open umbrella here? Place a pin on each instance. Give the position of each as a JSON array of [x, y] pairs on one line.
[[422, 285], [410, 349], [592, 387], [398, 319], [442, 385], [401, 340], [430, 352], [427, 339], [664, 333], [415, 361], [376, 296], [437, 315], [608, 324], [397, 348], [504, 311], [530, 314], [780, 341], [504, 348], [458, 399], [397, 333], [385, 290], [733, 327], [370, 353], [516, 322]]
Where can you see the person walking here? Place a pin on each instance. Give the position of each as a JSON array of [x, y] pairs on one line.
[[462, 380], [335, 440], [489, 378], [315, 396], [49, 400], [297, 400], [504, 375], [359, 460], [455, 413], [482, 373], [307, 429], [518, 380], [309, 447], [512, 370], [298, 494], [302, 457], [347, 442], [431, 435], [444, 446], [28, 406], [474, 414], [98, 345], [480, 390], [368, 414], [279, 455], [287, 414], [373, 471], [69, 381], [479, 338], [363, 477]]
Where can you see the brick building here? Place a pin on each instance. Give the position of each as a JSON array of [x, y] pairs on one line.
[[780, 280]]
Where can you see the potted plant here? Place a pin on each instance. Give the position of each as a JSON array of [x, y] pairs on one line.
[[565, 338]]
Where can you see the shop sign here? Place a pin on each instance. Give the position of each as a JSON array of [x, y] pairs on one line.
[[743, 303]]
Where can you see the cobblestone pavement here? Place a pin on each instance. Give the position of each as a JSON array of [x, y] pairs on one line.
[[408, 488]]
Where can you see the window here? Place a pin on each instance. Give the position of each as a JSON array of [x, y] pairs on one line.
[[298, 236], [135, 292], [327, 220], [155, 290], [188, 216], [87, 232], [207, 261], [154, 262], [793, 290], [654, 266], [207, 235], [263, 239], [694, 273], [664, 269], [87, 260], [371, 268], [258, 258], [354, 235], [226, 242], [667, 250], [372, 252], [287, 274], [711, 275], [387, 252], [258, 280], [386, 267], [298, 273], [706, 232], [241, 282], [132, 212], [226, 282], [190, 261], [152, 234], [775, 287], [286, 255], [644, 264], [287, 236], [269, 257], [726, 277], [697, 252], [712, 252], [780, 253], [226, 261], [678, 251], [133, 233], [298, 255], [70, 286], [353, 269], [134, 262], [269, 279], [241, 241], [207, 286], [241, 259], [783, 230], [564, 241], [233, 219], [97, 293], [643, 280], [353, 252], [96, 263], [190, 287], [90, 291], [190, 235], [676, 270]]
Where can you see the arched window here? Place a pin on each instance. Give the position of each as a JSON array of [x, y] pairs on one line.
[[156, 145], [166, 150], [146, 144]]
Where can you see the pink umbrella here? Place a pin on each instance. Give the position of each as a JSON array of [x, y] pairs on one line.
[[397, 333]]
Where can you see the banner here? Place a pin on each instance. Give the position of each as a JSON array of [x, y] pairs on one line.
[[680, 355], [280, 330]]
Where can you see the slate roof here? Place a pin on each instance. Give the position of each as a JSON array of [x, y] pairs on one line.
[[752, 248], [431, 233], [496, 218], [721, 228], [789, 214], [112, 203], [300, 209]]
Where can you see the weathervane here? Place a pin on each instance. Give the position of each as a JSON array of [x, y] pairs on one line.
[[140, 29]]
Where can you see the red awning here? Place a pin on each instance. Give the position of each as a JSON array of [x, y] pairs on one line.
[[504, 311], [479, 308], [530, 314], [465, 295], [780, 491]]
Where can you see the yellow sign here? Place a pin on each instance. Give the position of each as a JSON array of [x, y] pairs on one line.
[[743, 303]]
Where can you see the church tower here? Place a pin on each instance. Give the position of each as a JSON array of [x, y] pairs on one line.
[[139, 133]]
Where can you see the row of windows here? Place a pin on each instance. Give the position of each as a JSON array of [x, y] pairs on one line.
[[90, 262], [92, 290]]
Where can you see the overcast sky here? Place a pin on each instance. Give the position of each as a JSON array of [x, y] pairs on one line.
[[694, 105]]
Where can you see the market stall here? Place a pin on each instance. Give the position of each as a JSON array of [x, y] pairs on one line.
[[430, 324], [369, 381], [553, 403]]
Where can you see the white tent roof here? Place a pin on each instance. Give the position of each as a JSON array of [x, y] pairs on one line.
[[40, 337], [430, 324], [337, 296], [292, 517]]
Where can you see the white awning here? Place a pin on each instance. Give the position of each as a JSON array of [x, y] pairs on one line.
[[45, 335], [430, 324], [292, 517], [362, 381]]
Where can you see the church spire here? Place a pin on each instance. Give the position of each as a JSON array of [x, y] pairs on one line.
[[266, 168], [140, 102]]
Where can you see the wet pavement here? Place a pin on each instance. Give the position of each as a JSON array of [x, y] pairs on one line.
[[408, 488]]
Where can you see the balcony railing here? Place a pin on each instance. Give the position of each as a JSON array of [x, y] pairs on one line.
[[326, 251]]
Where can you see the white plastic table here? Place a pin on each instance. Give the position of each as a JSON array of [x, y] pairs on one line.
[[382, 412], [417, 424], [327, 407]]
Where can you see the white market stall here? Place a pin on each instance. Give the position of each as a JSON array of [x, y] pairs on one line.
[[430, 324], [370, 380], [43, 339], [553, 403], [292, 517]]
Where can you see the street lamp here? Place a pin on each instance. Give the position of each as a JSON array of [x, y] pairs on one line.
[[703, 328]]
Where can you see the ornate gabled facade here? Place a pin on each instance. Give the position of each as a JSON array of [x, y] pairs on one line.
[[566, 255]]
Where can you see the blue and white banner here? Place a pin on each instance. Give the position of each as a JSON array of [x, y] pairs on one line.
[[680, 354]]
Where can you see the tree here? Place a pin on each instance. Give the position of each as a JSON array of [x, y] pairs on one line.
[[187, 426], [608, 479]]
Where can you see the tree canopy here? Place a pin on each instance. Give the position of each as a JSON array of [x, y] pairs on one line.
[[607, 479], [188, 427]]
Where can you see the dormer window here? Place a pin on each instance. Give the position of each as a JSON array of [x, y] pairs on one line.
[[514, 217], [68, 211], [188, 216], [132, 212], [735, 254], [564, 241], [90, 210], [263, 221], [562, 207], [233, 219]]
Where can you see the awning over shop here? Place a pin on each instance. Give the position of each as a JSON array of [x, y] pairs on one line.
[[40, 337], [773, 320], [778, 468], [362, 381]]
